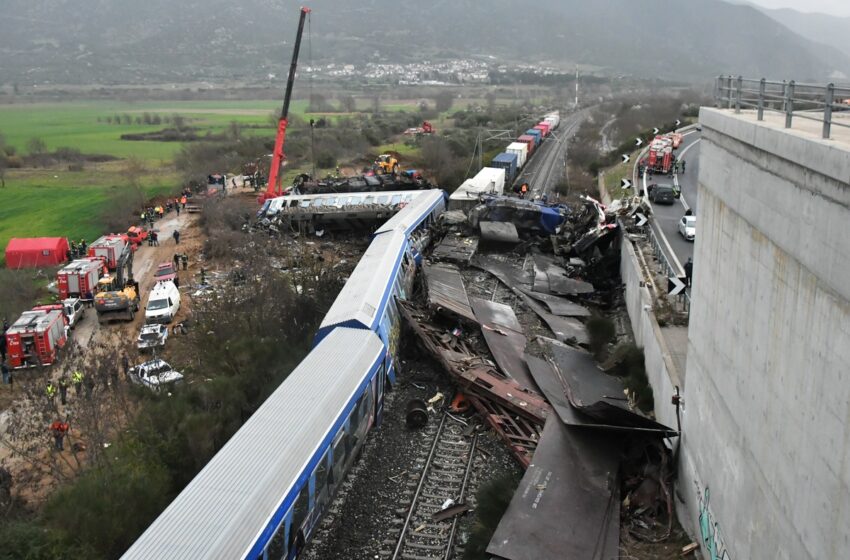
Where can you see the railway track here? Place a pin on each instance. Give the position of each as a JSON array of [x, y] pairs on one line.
[[445, 468], [540, 176]]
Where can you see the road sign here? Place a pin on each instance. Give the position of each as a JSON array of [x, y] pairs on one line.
[[678, 122], [638, 142], [626, 158], [626, 184], [675, 285], [655, 131], [641, 219]]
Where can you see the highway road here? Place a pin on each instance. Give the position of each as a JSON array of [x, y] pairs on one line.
[[667, 216]]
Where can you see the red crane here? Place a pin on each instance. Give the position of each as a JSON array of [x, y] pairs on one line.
[[274, 189]]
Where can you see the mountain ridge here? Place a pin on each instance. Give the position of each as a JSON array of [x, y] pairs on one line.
[[119, 41]]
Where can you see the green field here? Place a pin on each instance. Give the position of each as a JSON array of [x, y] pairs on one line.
[[82, 125], [58, 202]]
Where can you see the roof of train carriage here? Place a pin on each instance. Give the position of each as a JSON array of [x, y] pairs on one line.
[[414, 213], [238, 496], [369, 286], [275, 204]]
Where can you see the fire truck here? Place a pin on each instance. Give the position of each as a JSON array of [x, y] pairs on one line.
[[660, 157], [35, 338]]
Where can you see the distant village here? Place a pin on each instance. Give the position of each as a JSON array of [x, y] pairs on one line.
[[443, 73]]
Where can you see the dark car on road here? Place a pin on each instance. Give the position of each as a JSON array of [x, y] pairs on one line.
[[663, 194]]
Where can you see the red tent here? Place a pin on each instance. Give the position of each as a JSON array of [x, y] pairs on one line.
[[35, 252]]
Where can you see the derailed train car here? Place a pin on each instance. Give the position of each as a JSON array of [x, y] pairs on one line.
[[263, 494]]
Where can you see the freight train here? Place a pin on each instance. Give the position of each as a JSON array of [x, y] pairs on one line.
[[263, 493]]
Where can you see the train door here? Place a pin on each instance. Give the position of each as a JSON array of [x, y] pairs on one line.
[[320, 490], [298, 527], [379, 395]]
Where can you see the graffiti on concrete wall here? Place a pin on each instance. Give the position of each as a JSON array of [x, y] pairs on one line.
[[712, 541]]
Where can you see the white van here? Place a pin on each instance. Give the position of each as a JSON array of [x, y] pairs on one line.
[[163, 303]]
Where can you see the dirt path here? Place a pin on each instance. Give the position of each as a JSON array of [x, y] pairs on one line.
[[31, 481]]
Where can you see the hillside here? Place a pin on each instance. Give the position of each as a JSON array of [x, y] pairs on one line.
[[821, 28], [119, 41]]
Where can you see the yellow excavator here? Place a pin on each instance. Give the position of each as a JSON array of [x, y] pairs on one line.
[[387, 164], [118, 296]]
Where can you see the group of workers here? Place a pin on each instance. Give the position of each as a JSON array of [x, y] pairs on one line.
[[76, 250], [82, 383]]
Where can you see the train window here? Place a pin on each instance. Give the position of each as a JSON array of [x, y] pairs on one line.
[[340, 454], [277, 546], [396, 199], [383, 199], [304, 203], [321, 482]]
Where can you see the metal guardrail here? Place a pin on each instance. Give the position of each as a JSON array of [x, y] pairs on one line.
[[661, 256], [814, 102]]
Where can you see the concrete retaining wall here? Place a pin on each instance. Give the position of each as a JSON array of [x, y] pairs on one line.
[[767, 416]]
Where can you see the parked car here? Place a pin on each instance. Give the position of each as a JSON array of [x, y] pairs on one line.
[[137, 235], [152, 336], [74, 310], [155, 374], [163, 303], [166, 272], [663, 194], [688, 227]]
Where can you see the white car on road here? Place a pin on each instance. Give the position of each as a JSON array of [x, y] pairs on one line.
[[688, 227]]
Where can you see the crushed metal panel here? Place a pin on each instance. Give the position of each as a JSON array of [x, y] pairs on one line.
[[541, 279], [508, 349], [557, 281], [446, 290], [564, 328], [500, 232], [558, 305], [567, 505], [504, 272], [456, 248], [597, 395], [493, 313]]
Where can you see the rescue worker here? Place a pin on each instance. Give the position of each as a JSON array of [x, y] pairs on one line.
[[77, 380], [689, 271], [59, 429], [176, 236], [2, 348], [88, 383], [155, 236], [63, 389], [125, 362], [83, 247], [7, 376], [183, 201], [177, 207], [50, 392], [523, 190], [683, 167]]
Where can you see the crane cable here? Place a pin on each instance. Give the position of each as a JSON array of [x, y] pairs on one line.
[[310, 56]]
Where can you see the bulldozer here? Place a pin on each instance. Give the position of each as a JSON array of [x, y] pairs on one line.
[[387, 164], [118, 297]]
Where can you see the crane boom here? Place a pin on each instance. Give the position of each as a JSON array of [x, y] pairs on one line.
[[273, 189]]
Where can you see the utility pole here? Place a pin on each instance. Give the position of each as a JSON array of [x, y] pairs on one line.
[[576, 86], [313, 146]]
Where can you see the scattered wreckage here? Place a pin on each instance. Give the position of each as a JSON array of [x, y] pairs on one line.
[[591, 456]]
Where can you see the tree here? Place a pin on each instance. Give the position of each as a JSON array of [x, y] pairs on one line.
[[36, 146], [347, 103], [234, 131], [443, 101]]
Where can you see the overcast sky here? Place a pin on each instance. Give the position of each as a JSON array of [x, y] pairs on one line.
[[834, 7]]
